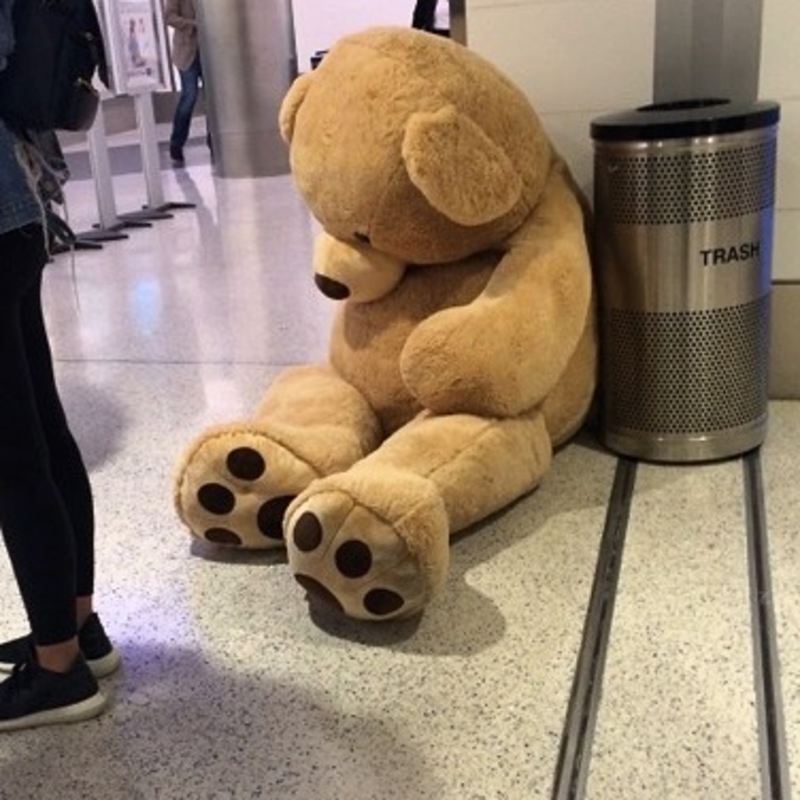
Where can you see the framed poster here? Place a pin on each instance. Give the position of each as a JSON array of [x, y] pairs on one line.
[[136, 40]]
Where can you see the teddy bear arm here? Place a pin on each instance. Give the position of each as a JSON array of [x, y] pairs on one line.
[[504, 352]]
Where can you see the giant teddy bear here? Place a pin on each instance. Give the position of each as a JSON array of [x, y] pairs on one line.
[[464, 348]]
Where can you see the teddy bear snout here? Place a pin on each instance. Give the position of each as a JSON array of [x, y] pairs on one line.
[[354, 271], [331, 288]]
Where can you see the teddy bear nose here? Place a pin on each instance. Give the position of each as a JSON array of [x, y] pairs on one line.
[[331, 288]]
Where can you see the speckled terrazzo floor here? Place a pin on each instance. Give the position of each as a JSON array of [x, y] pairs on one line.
[[232, 689]]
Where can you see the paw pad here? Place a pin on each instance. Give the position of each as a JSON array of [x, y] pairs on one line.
[[216, 498], [243, 464], [381, 602], [222, 536], [353, 559], [246, 464], [307, 533], [270, 516]]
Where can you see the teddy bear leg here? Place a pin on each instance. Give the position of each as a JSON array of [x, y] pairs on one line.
[[234, 483], [374, 541]]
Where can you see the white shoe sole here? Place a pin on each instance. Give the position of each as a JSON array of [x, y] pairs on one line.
[[105, 666], [77, 712]]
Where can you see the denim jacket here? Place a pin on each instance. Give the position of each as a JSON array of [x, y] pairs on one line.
[[20, 197]]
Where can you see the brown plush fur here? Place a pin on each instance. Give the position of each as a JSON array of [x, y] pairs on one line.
[[464, 349]]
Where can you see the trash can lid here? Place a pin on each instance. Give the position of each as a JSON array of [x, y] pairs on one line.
[[684, 119]]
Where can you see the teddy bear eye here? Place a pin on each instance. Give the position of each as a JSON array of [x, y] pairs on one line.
[[363, 238]]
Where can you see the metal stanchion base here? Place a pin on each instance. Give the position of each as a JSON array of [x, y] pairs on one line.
[[98, 234], [78, 244], [171, 205], [145, 214]]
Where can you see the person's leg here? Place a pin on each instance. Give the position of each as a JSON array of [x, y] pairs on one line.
[[66, 462], [20, 305], [34, 518], [54, 684], [181, 123]]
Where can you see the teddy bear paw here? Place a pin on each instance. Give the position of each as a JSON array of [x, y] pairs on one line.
[[235, 487], [367, 559]]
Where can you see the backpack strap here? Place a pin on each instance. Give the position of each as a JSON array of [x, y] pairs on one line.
[[58, 229]]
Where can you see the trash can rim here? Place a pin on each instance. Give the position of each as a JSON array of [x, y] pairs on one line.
[[685, 119]]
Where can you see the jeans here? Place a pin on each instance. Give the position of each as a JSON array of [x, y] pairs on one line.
[[190, 83], [46, 507], [19, 204]]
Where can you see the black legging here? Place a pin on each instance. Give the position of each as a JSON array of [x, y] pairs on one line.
[[46, 510]]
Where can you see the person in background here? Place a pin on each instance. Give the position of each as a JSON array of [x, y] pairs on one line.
[[46, 504], [432, 16], [181, 15]]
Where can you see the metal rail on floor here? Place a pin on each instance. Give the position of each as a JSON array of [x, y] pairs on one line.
[[572, 769], [775, 784], [575, 754]]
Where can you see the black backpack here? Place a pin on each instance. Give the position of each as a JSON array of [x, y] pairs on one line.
[[47, 83]]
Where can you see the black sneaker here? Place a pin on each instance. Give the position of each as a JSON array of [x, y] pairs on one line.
[[101, 656], [34, 696], [176, 154]]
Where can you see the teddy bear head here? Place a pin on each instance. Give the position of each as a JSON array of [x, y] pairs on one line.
[[410, 150]]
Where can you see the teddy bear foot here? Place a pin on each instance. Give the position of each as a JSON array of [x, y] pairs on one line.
[[234, 487], [373, 548]]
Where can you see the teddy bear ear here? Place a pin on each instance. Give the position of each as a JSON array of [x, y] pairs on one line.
[[291, 105], [460, 170]]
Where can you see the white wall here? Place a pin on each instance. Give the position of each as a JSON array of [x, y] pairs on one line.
[[780, 80], [319, 23]]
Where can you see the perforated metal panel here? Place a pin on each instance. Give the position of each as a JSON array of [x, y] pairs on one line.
[[687, 373], [691, 187]]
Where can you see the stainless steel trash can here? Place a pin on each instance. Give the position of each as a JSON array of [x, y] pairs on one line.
[[684, 205]]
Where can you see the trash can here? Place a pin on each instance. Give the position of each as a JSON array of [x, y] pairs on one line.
[[684, 205]]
